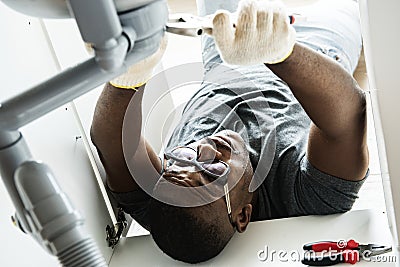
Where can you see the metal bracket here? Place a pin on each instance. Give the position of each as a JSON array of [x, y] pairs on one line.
[[113, 233]]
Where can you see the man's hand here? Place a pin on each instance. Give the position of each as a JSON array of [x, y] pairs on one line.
[[138, 74], [262, 34]]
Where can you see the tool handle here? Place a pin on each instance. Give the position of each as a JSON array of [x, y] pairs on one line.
[[346, 256], [292, 19], [330, 245], [322, 246]]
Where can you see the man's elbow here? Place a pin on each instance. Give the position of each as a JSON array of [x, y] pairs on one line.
[[93, 135], [362, 106], [354, 116], [97, 135], [360, 112]]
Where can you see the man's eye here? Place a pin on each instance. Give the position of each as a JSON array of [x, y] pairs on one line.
[[219, 180]]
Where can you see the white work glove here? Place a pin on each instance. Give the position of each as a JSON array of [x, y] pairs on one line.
[[139, 73], [262, 34]]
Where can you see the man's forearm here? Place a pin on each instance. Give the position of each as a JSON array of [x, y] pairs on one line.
[[106, 133], [327, 92]]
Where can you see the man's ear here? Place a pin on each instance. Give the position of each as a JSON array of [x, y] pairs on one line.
[[242, 219]]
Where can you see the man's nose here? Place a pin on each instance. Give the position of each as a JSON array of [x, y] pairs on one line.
[[207, 152]]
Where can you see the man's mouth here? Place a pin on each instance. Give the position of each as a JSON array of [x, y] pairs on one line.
[[175, 180]]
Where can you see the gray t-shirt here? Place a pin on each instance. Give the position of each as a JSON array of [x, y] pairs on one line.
[[254, 102], [258, 105]]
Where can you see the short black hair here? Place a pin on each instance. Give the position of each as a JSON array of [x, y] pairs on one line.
[[183, 236]]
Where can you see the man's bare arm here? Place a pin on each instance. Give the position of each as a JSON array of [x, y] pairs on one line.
[[337, 107], [106, 133]]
